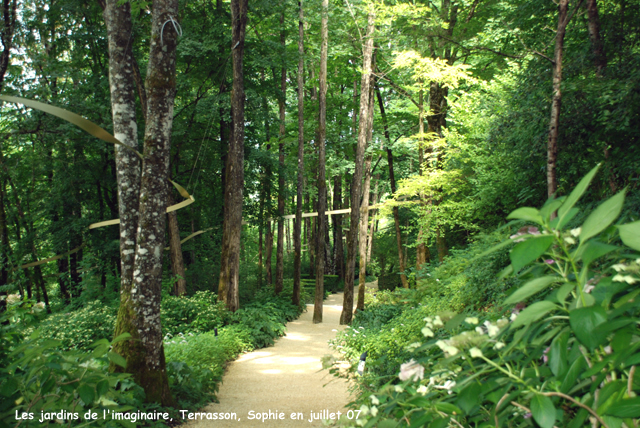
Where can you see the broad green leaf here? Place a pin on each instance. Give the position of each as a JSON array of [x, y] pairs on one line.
[[593, 250], [573, 374], [558, 355], [627, 408], [630, 234], [584, 322], [564, 291], [577, 192], [86, 393], [102, 387], [526, 213], [530, 288], [117, 359], [120, 338], [9, 387], [550, 206], [533, 313], [469, 397], [556, 224], [543, 411], [602, 217], [529, 250], [494, 249], [447, 408]]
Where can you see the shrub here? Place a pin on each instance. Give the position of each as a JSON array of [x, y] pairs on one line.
[[199, 313]]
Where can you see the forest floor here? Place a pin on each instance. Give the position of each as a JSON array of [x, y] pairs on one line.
[[285, 385]]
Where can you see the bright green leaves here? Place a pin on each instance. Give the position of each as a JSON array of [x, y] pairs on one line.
[[584, 323], [629, 408], [469, 397], [543, 411], [630, 234], [529, 250], [530, 288], [533, 313], [602, 217], [526, 213], [558, 355], [576, 193]]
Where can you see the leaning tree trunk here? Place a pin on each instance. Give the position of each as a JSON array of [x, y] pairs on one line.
[[139, 312], [232, 226], [356, 184], [175, 250], [322, 183], [392, 179], [554, 123], [297, 231]]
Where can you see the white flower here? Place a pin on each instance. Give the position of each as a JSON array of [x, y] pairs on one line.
[[492, 329], [513, 316], [471, 320], [398, 388], [421, 390], [375, 400], [427, 332], [364, 409], [569, 240], [475, 352], [427, 319], [619, 267], [438, 322], [13, 298], [374, 411], [412, 347], [576, 232], [479, 330], [498, 345], [411, 370], [621, 278]]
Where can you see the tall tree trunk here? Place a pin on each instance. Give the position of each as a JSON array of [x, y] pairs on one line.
[[322, 183], [175, 250], [392, 179], [269, 251], [337, 228], [374, 220], [599, 56], [554, 123], [281, 184], [232, 227], [421, 249], [297, 238], [356, 183], [364, 205], [140, 313], [7, 29], [4, 236]]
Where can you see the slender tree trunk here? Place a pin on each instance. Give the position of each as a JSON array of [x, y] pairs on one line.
[[7, 29], [374, 221], [232, 227], [421, 249], [297, 238], [175, 250], [269, 251], [356, 184], [599, 56], [322, 183], [392, 179], [554, 123], [337, 227], [4, 237], [281, 184]]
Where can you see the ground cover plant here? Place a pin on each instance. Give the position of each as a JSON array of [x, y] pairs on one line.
[[561, 352]]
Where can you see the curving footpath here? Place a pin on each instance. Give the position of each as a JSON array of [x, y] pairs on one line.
[[283, 385]]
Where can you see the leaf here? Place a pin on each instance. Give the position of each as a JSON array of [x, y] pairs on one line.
[[120, 338], [564, 291], [572, 374], [556, 224], [543, 411], [577, 193], [494, 249], [584, 322], [627, 408], [526, 213], [603, 216], [558, 355], [529, 250], [86, 393], [533, 313], [117, 359], [102, 387], [530, 288], [630, 234], [469, 397], [9, 387], [550, 206], [593, 250]]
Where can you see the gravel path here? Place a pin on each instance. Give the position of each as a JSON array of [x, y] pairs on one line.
[[283, 385]]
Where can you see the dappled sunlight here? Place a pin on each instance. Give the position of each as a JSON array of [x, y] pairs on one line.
[[254, 355], [296, 336], [271, 371]]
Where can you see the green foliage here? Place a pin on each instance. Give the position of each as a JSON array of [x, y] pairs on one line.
[[199, 313], [36, 375], [567, 357]]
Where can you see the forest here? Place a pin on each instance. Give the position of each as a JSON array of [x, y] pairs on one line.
[[179, 179]]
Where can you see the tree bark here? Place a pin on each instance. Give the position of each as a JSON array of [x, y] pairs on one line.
[[554, 123], [297, 232], [421, 249], [8, 10], [322, 183], [175, 250], [599, 56], [356, 183], [269, 252], [337, 227], [281, 184], [232, 226], [392, 179]]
